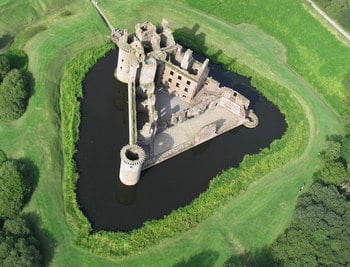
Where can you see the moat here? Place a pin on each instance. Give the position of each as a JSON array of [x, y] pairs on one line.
[[107, 203]]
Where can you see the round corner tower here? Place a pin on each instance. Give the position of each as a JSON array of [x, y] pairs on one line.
[[124, 62], [132, 158]]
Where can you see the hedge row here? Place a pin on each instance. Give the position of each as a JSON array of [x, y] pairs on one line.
[[223, 187]]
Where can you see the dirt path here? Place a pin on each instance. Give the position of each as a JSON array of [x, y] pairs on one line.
[[332, 22]]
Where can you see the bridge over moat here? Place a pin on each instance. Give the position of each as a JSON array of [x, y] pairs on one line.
[[172, 103]]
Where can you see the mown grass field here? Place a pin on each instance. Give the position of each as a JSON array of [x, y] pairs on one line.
[[297, 53]]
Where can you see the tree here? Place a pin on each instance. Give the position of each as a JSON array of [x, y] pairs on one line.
[[332, 152], [318, 234], [18, 247], [4, 66], [12, 189], [13, 96], [3, 157], [345, 149], [333, 173]]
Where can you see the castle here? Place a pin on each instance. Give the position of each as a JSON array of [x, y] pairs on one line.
[[173, 104]]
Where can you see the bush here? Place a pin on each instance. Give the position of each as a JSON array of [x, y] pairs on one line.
[[3, 157], [333, 173], [13, 96], [18, 59], [18, 247], [4, 66], [12, 189]]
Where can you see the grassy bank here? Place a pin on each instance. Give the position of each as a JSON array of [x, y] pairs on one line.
[[305, 59]]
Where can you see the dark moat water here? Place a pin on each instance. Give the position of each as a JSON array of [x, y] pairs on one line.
[[172, 184]]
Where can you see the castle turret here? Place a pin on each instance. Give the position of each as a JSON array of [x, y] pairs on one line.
[[124, 59], [132, 158], [148, 72]]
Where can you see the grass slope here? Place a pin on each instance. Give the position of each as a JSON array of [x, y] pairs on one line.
[[305, 59]]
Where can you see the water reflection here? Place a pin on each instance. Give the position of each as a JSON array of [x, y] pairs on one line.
[[126, 195]]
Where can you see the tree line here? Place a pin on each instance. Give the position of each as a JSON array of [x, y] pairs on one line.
[[18, 246]]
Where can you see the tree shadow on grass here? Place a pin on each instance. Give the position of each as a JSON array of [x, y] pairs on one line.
[[5, 40], [30, 173], [259, 258], [30, 83], [18, 59], [46, 239], [206, 258]]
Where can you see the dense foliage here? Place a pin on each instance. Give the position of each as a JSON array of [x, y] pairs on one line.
[[4, 66], [319, 233], [13, 90], [337, 9], [18, 247], [12, 189], [223, 187]]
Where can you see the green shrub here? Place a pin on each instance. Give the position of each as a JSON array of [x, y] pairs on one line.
[[18, 247], [333, 173], [3, 157], [12, 189], [13, 96], [18, 59], [4, 66]]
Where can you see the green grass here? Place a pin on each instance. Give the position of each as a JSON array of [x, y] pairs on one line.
[[305, 58], [338, 10]]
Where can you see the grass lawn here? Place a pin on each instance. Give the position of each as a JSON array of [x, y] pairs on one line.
[[298, 53]]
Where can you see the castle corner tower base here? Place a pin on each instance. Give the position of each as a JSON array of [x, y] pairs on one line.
[[132, 158]]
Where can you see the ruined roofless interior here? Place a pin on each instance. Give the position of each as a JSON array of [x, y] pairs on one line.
[[173, 104]]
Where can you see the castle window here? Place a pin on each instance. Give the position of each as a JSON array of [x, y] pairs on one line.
[[122, 59], [186, 89], [170, 80], [188, 82], [121, 67], [179, 77], [171, 72], [183, 96], [177, 85]]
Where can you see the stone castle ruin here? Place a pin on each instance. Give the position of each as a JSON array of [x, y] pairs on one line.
[[173, 104]]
